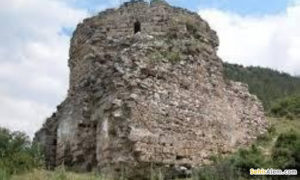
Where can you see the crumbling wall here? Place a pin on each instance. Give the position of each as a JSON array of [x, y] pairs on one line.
[[152, 98], [47, 137]]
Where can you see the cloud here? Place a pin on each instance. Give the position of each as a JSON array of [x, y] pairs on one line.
[[270, 40], [25, 115], [33, 60]]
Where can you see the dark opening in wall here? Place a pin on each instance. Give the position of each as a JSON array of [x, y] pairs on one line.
[[179, 157], [137, 27]]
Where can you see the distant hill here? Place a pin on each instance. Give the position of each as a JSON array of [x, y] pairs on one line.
[[267, 84]]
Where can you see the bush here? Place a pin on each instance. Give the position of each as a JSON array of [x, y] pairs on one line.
[[286, 152], [244, 160], [236, 166], [266, 138], [222, 169], [17, 154], [288, 107]]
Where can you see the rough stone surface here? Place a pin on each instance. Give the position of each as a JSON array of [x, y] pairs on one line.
[[152, 98]]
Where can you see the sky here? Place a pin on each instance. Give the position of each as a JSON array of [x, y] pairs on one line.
[[35, 37]]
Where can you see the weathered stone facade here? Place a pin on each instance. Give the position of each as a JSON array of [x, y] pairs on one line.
[[146, 87]]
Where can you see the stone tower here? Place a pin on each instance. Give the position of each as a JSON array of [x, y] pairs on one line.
[[147, 88]]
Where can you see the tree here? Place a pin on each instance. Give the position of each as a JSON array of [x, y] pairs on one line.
[[17, 153]]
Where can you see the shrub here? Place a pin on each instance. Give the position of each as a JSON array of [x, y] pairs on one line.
[[236, 166], [288, 107], [266, 138], [155, 57], [245, 159], [281, 153], [170, 56], [222, 169], [285, 154], [17, 154]]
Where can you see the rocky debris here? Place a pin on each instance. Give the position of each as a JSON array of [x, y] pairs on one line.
[[147, 90]]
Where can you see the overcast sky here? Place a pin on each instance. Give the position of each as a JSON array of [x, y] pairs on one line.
[[35, 34]]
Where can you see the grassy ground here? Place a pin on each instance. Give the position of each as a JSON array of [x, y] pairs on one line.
[[283, 125]]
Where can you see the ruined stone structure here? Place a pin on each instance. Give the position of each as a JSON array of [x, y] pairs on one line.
[[146, 88]]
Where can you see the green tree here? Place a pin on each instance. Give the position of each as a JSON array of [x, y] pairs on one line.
[[17, 153]]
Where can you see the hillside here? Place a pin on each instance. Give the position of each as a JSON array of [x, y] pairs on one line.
[[269, 85]]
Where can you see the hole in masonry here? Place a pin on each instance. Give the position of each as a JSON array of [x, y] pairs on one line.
[[137, 27]]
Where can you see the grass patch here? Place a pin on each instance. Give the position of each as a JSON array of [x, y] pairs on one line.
[[169, 56], [173, 56]]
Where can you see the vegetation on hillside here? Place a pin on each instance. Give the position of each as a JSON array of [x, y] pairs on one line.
[[288, 107], [278, 149], [267, 84]]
